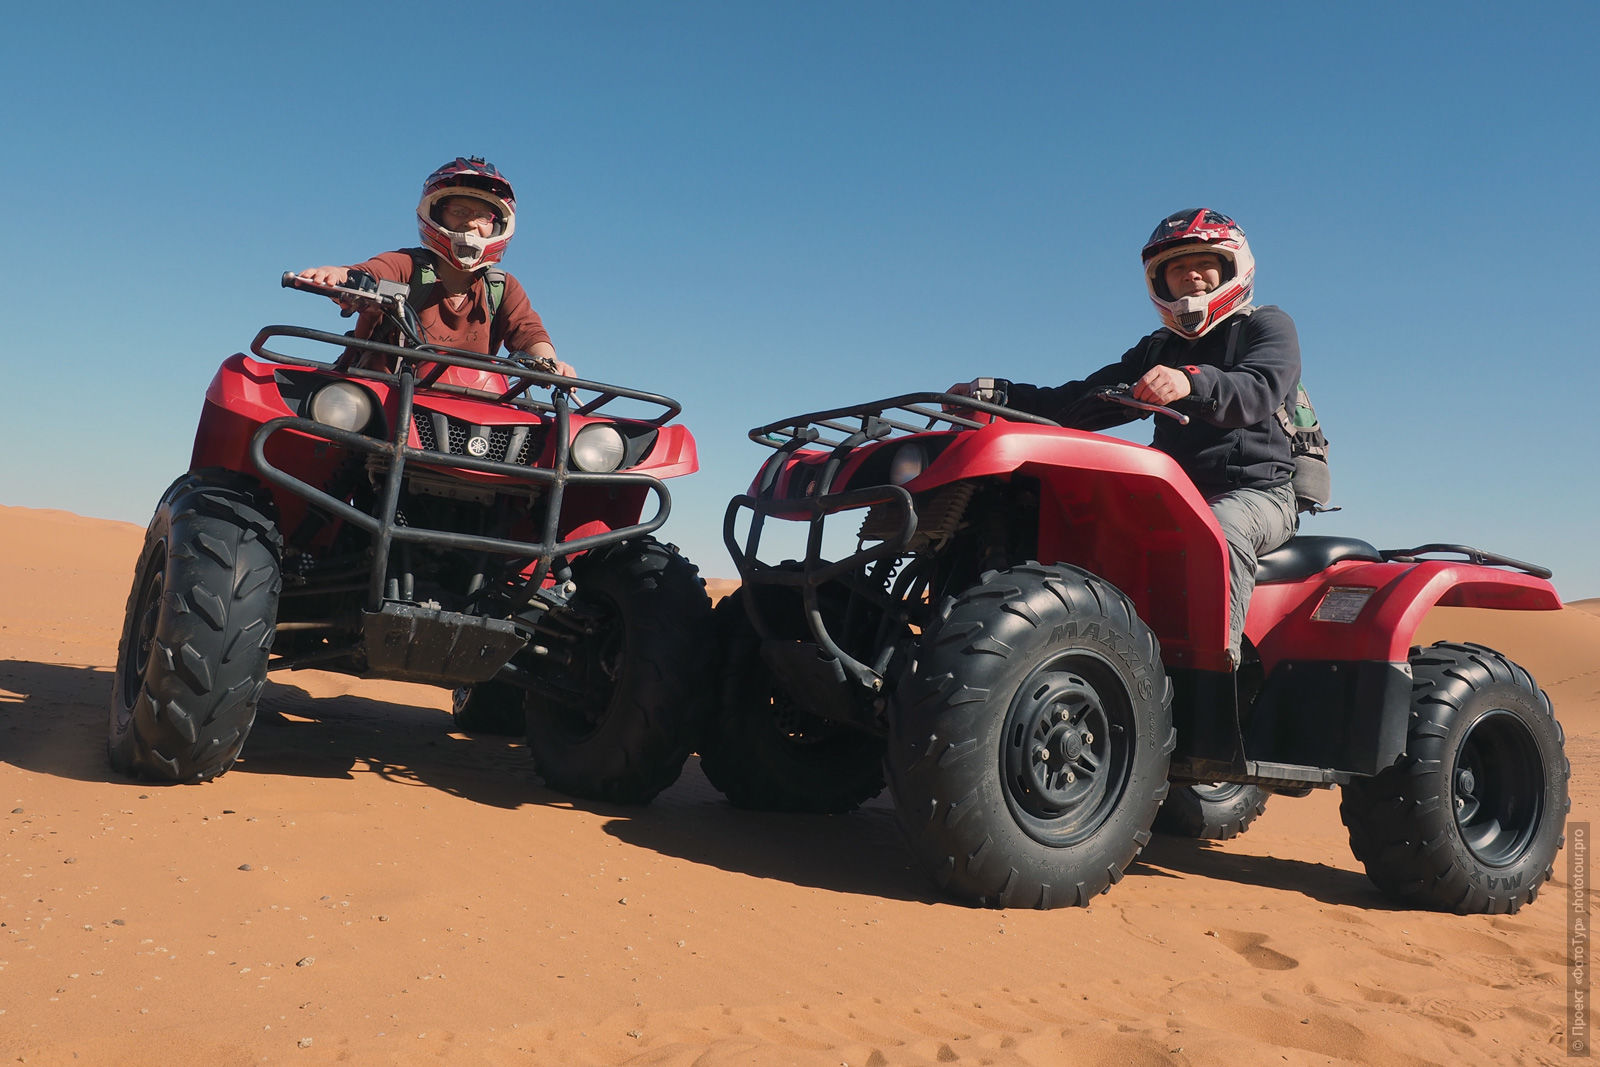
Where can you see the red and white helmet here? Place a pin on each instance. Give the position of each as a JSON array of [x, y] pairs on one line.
[[475, 178], [1182, 234]]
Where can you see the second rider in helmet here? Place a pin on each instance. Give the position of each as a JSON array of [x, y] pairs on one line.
[[466, 217], [1224, 363]]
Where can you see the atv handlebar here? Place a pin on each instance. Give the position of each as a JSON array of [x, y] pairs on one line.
[[1123, 394], [362, 291], [382, 294]]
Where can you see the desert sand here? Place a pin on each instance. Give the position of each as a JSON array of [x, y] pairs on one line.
[[366, 886]]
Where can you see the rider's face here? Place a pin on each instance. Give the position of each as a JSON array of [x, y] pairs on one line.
[[467, 214], [1190, 275]]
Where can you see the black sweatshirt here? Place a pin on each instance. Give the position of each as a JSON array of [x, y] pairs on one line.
[[1233, 440]]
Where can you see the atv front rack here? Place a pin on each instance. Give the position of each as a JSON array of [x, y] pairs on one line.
[[523, 373], [394, 453], [859, 423]]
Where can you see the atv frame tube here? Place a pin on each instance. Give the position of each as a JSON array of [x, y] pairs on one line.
[[395, 452]]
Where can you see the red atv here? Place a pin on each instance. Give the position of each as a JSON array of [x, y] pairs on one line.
[[1029, 640], [411, 511]]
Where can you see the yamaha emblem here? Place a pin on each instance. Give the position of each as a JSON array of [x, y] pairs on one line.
[[477, 446]]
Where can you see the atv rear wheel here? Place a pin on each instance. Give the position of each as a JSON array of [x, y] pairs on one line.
[[488, 708], [1471, 817], [1213, 811], [1029, 743], [619, 721], [192, 660], [763, 750]]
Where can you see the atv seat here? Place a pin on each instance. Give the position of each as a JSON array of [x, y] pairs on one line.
[[1301, 557]]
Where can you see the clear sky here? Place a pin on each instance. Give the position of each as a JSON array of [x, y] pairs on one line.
[[763, 208]]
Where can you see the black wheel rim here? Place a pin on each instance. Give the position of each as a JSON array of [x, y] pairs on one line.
[[1067, 749], [141, 625], [1497, 788], [1218, 792]]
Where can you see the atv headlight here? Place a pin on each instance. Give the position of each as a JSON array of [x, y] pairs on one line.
[[598, 448], [908, 461], [342, 405]]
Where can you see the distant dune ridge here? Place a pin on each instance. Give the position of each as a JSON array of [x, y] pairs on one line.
[[366, 886]]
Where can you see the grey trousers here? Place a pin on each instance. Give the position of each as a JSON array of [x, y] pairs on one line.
[[1254, 521]]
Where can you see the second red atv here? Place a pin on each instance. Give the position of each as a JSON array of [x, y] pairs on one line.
[[403, 510], [1028, 642]]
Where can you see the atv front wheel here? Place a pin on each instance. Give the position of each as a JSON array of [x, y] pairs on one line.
[[1471, 817], [1029, 744], [192, 660], [763, 750], [618, 722], [1214, 811]]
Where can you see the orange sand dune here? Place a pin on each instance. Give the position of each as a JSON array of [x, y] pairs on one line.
[[367, 887]]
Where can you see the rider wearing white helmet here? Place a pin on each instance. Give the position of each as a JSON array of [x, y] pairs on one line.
[[466, 217], [1200, 275]]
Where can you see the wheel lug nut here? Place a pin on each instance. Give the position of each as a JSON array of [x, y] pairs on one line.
[[1071, 778]]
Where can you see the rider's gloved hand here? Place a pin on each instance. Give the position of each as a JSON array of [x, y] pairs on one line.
[[326, 275], [1162, 385]]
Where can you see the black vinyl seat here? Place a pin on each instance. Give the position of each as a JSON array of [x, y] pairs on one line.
[[1301, 557]]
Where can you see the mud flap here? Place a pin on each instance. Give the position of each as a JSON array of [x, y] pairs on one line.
[[1345, 715]]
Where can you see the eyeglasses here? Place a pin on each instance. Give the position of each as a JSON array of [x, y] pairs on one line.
[[462, 214]]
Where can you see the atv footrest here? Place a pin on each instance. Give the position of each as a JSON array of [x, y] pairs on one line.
[[413, 644], [1291, 774], [1283, 776]]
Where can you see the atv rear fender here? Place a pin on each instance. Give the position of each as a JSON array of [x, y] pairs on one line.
[[1361, 610]]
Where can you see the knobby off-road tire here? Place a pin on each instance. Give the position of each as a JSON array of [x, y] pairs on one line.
[[764, 751], [635, 699], [1471, 817], [192, 660], [1214, 811], [1029, 743], [488, 708]]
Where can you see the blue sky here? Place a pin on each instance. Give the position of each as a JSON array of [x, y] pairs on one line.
[[764, 208]]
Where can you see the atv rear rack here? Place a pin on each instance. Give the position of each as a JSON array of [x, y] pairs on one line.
[[1473, 555]]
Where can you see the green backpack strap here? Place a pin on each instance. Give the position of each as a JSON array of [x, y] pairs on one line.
[[424, 277], [494, 283]]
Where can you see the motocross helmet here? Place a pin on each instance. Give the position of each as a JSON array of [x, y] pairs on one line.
[[475, 178], [1188, 232]]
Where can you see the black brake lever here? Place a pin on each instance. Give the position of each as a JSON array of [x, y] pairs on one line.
[[1122, 394]]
